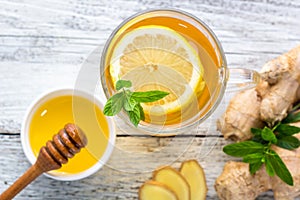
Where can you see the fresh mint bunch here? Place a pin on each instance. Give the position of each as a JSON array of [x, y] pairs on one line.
[[258, 151], [130, 101]]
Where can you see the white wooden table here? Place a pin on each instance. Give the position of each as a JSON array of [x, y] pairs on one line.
[[43, 45]]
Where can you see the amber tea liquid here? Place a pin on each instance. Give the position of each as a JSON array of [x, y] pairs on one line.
[[203, 43]]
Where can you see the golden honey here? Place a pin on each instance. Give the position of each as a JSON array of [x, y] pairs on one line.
[[53, 114]]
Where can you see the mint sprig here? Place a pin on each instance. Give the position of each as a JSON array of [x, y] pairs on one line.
[[130, 101], [258, 151]]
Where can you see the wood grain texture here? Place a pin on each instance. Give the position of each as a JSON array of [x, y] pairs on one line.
[[44, 45], [110, 182]]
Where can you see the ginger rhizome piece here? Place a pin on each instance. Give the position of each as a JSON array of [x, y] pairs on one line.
[[268, 103], [236, 182], [187, 183], [173, 180], [155, 190], [194, 175]]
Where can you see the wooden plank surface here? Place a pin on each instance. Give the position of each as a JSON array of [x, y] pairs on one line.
[[45, 44], [120, 178]]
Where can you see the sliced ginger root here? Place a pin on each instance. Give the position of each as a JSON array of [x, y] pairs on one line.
[[195, 177], [268, 103], [187, 184], [173, 180], [151, 190]]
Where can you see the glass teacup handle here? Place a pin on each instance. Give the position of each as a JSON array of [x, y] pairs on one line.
[[241, 79]]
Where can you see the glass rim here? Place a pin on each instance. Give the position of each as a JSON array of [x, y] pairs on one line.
[[196, 120]]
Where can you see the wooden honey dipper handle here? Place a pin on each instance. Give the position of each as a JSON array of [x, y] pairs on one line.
[[65, 144]]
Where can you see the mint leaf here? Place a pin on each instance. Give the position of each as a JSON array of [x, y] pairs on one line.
[[142, 114], [257, 135], [296, 107], [242, 149], [288, 142], [253, 167], [288, 130], [117, 103], [123, 84], [292, 117], [107, 110], [276, 125], [253, 158], [256, 131], [135, 116], [280, 168], [260, 150], [114, 104], [269, 167], [258, 139], [268, 135], [149, 96], [129, 103]]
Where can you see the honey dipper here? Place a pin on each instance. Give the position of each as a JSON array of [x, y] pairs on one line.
[[65, 144]]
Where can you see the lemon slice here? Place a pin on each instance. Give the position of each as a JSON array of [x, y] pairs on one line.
[[158, 58]]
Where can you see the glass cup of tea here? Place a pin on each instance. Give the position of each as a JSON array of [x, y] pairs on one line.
[[173, 51]]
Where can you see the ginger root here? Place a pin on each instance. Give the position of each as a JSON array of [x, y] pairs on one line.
[[188, 183], [268, 103], [241, 115], [173, 180], [194, 175], [154, 190], [236, 182], [283, 76]]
